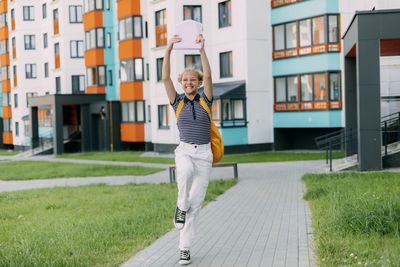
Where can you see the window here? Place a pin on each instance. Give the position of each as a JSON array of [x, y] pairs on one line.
[[225, 61], [132, 70], [6, 125], [148, 113], [30, 71], [56, 29], [107, 4], [163, 122], [89, 5], [12, 19], [229, 112], [110, 78], [27, 97], [224, 12], [4, 46], [320, 89], [45, 43], [30, 43], [94, 38], [130, 27], [192, 12], [58, 85], [133, 111], [46, 70], [16, 128], [291, 35], [193, 61], [76, 49], [334, 86], [333, 31], [44, 11], [108, 39], [161, 27], [292, 89], [148, 71], [3, 20], [159, 68], [29, 13], [5, 99], [4, 73], [15, 100], [279, 37], [286, 89], [318, 29], [57, 55], [78, 84], [306, 87], [305, 32], [96, 76], [280, 90], [75, 14]]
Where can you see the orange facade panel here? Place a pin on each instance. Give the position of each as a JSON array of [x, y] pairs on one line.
[[96, 90], [4, 33], [7, 138], [3, 6], [12, 24], [7, 113], [128, 8], [5, 59], [132, 132], [15, 80], [6, 86], [56, 27], [94, 57], [57, 60], [93, 19], [130, 48], [131, 91], [14, 52]]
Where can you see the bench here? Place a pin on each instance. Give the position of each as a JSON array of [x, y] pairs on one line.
[[172, 170]]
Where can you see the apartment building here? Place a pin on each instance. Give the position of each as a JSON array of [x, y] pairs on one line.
[[42, 54]]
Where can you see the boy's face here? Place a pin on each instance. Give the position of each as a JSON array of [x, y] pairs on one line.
[[190, 82]]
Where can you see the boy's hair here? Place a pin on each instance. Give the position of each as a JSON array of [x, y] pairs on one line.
[[198, 72]]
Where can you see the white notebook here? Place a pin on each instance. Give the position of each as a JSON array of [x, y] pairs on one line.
[[188, 30]]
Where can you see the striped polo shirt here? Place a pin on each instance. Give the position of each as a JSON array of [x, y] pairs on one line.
[[193, 121]]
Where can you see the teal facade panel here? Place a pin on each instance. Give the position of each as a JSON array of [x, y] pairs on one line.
[[308, 119], [306, 64], [234, 136], [304, 9], [112, 90]]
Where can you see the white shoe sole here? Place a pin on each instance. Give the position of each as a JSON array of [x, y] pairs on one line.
[[184, 262]]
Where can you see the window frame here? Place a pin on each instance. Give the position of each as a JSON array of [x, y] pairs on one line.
[[58, 84], [44, 10], [159, 63], [191, 7], [133, 62], [160, 126], [30, 65], [232, 122], [97, 76], [133, 33], [77, 19], [31, 44], [87, 9], [30, 13], [230, 66], [77, 42], [45, 40], [89, 33], [81, 81], [161, 40], [197, 56], [227, 6], [135, 104]]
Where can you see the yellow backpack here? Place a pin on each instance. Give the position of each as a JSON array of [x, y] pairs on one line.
[[217, 145]]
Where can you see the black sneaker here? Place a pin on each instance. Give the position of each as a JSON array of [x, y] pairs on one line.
[[185, 257], [179, 218]]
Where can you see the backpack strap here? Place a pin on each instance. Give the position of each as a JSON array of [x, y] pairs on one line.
[[205, 106], [178, 109], [202, 103]]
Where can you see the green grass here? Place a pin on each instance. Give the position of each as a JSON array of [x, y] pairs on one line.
[[134, 156], [355, 218], [94, 225], [4, 152], [29, 170]]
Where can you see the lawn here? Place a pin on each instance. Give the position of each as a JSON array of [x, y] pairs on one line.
[[4, 152], [134, 156], [355, 218], [23, 170], [96, 225]]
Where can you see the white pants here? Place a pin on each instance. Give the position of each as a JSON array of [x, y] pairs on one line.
[[193, 167]]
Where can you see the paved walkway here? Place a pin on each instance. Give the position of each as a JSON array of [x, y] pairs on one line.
[[262, 221]]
